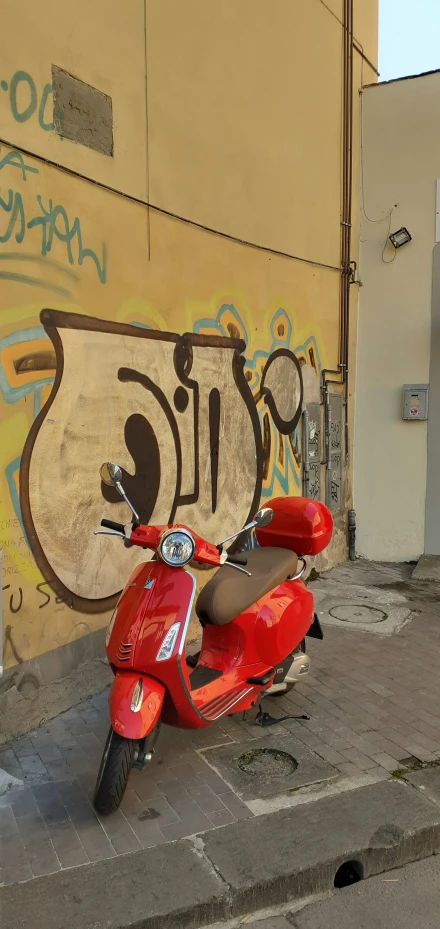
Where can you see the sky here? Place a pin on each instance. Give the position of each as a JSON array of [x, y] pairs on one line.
[[409, 37]]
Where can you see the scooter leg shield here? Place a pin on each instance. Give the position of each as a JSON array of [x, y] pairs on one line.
[[135, 704]]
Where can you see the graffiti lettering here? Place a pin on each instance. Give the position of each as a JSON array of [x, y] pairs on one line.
[[8, 638], [53, 222], [9, 523], [14, 608], [67, 234], [16, 598], [22, 88], [44, 593], [10, 569], [14, 206], [335, 438], [16, 160]]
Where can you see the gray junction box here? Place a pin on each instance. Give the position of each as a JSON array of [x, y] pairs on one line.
[[415, 401]]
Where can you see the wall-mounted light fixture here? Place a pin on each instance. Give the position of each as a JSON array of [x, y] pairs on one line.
[[399, 238]]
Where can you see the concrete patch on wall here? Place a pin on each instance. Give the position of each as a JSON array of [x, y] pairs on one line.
[[82, 113]]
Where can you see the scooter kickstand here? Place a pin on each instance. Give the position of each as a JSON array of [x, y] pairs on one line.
[[265, 719]]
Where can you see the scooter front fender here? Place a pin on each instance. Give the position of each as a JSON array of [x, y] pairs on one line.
[[137, 723]]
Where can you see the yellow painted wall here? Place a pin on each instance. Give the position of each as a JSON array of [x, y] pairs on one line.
[[227, 115]]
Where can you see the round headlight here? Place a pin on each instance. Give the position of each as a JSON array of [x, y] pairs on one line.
[[177, 548]]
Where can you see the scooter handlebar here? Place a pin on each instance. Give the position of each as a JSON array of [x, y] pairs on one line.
[[109, 524], [237, 559]]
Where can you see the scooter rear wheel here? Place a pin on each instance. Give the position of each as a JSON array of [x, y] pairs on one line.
[[114, 771]]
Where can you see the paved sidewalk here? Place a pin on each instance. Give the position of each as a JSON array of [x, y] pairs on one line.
[[374, 706]]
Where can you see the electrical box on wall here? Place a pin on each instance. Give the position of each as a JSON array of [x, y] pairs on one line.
[[415, 401]]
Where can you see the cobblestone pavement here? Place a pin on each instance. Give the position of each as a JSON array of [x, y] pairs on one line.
[[373, 702]]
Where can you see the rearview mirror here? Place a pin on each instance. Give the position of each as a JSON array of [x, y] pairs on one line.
[[110, 473], [263, 517]]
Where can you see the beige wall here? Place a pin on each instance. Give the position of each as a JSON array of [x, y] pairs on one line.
[[401, 144], [228, 115]]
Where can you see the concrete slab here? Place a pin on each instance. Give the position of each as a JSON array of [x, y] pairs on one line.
[[295, 853], [428, 782], [268, 777], [427, 568], [405, 899], [364, 609], [165, 888]]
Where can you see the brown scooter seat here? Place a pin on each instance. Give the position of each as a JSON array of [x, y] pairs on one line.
[[230, 592]]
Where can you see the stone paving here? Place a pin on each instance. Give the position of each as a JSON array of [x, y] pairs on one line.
[[374, 707]]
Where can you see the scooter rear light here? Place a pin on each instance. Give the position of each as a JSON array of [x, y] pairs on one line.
[[136, 698], [169, 641]]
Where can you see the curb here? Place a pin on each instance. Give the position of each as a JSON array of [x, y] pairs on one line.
[[261, 862]]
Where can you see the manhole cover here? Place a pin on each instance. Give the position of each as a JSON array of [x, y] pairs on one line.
[[358, 613], [267, 761]]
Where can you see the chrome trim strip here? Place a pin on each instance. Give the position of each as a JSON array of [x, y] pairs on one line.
[[227, 708], [296, 577], [188, 615]]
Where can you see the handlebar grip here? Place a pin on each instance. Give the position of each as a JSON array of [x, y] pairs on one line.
[[109, 524], [237, 559]]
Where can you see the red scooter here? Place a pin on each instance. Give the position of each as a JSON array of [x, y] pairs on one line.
[[255, 613]]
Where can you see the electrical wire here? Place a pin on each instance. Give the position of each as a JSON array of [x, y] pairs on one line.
[[158, 209], [356, 44], [390, 260], [389, 214]]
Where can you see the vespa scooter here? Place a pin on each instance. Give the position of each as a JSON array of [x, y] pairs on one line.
[[255, 613]]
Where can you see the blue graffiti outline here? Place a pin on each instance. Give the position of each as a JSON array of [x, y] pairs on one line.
[[12, 394], [10, 470], [209, 323]]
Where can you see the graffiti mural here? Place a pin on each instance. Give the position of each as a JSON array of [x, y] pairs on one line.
[[40, 224], [178, 414]]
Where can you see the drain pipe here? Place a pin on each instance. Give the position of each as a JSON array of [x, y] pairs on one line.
[[347, 266], [305, 452], [352, 535]]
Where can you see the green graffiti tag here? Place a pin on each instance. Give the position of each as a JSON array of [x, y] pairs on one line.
[[52, 219], [22, 85]]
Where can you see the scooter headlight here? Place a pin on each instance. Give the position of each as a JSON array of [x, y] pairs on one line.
[[169, 641], [177, 547]]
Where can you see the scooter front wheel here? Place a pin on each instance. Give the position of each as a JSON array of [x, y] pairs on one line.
[[116, 764]]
